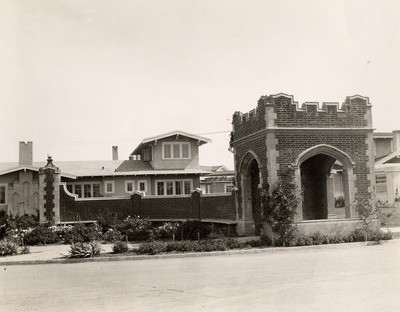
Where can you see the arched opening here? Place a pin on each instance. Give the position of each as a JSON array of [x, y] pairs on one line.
[[251, 179], [326, 181]]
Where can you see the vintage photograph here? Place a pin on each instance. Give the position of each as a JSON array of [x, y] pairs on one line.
[[199, 155]]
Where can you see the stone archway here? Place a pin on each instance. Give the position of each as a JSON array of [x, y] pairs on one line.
[[250, 174], [313, 176]]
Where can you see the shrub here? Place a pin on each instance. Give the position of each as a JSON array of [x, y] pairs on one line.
[[233, 243], [151, 248], [112, 236], [339, 201], [319, 239], [8, 247], [279, 210], [136, 229], [167, 230], [85, 250], [41, 234], [81, 233], [194, 229], [120, 247]]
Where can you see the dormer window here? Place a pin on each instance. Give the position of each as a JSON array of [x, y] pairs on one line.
[[176, 150]]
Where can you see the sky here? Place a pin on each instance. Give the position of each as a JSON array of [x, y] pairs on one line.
[[79, 76]]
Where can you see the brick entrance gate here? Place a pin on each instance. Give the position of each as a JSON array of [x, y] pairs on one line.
[[302, 145]]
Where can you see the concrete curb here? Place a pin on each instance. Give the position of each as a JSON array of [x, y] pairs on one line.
[[191, 254]]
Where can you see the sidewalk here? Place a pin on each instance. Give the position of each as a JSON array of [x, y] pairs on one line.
[[57, 253]]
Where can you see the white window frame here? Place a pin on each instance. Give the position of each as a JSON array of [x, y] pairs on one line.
[[133, 186], [171, 147], [145, 186], [381, 187], [112, 187], [82, 185], [5, 185], [174, 186], [226, 186]]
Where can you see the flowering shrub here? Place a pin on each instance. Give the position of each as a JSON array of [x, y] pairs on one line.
[[167, 230], [112, 236], [136, 229]]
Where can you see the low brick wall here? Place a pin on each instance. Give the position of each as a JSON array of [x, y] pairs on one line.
[[215, 207], [332, 226], [72, 209]]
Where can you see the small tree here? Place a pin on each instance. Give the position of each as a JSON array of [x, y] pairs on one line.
[[279, 211]]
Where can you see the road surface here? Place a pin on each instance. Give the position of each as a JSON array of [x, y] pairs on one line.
[[349, 277]]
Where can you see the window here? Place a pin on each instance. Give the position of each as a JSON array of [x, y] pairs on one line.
[[109, 186], [167, 151], [179, 150], [129, 186], [170, 188], [178, 187], [174, 187], [3, 194], [188, 186], [84, 190], [87, 190], [96, 190], [78, 190], [142, 186], [381, 186], [228, 188], [160, 188]]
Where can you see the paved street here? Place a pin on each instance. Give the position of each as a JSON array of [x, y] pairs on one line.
[[350, 277]]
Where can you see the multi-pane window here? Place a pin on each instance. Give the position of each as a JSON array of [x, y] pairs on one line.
[[180, 150], [96, 190], [228, 188], [129, 187], [87, 190], [109, 187], [160, 188], [84, 190], [167, 151], [142, 186], [3, 188], [381, 186], [78, 190], [174, 187], [170, 188]]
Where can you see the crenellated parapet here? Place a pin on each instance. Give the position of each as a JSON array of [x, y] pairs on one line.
[[282, 111]]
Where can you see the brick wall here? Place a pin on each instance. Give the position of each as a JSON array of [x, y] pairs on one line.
[[279, 130], [90, 210], [349, 115], [196, 206]]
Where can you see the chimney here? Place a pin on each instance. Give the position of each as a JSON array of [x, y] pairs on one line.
[[115, 152], [26, 153], [396, 140]]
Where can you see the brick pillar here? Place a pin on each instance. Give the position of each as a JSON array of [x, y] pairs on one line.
[[49, 193], [196, 206], [136, 203]]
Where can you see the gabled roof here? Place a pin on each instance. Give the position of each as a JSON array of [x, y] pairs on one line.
[[389, 160], [6, 168], [200, 139], [99, 168], [218, 168]]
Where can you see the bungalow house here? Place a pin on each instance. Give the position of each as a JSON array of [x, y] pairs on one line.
[[387, 166], [164, 165], [220, 180]]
